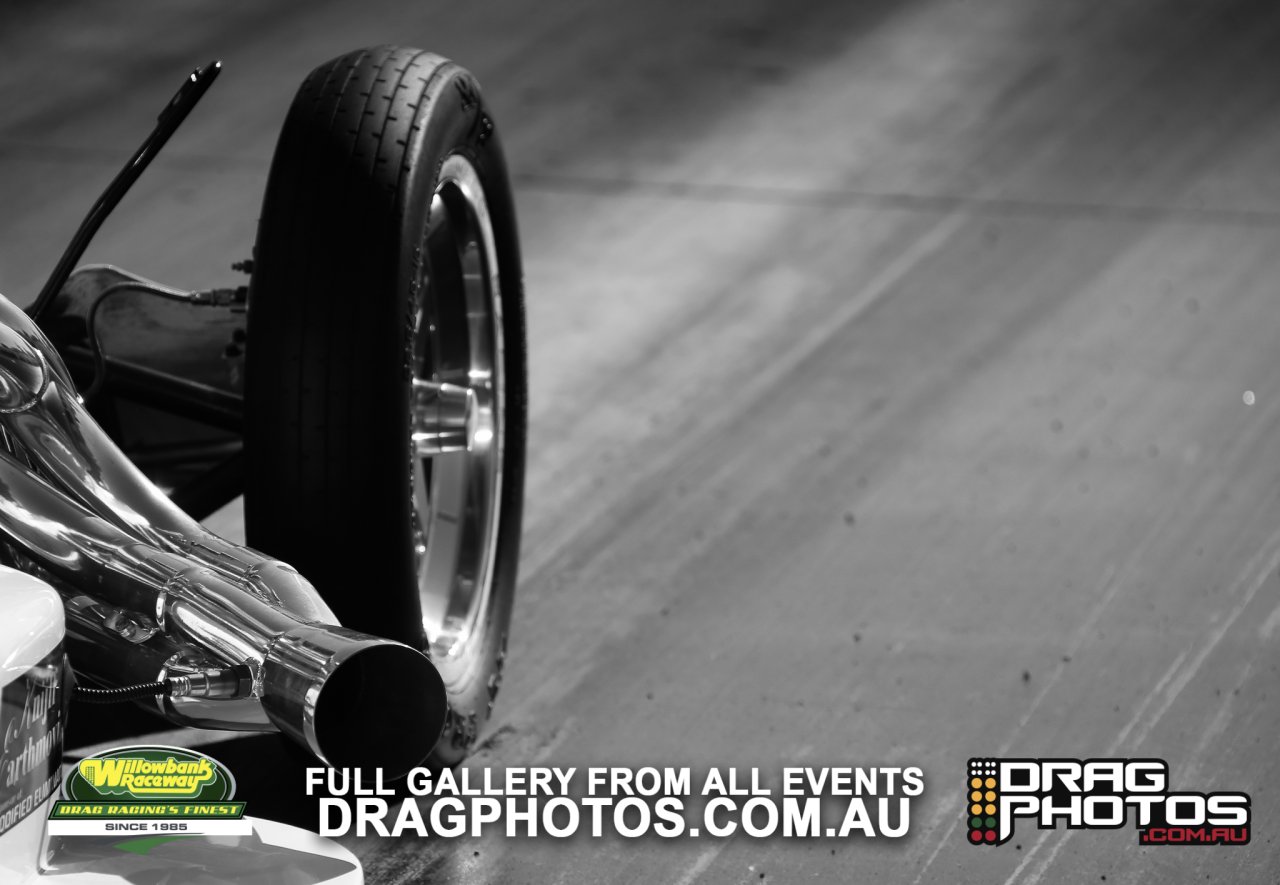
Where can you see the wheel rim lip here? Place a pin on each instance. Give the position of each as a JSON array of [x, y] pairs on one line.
[[452, 615]]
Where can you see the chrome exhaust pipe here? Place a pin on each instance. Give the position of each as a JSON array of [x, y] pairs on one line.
[[343, 695], [139, 614], [151, 595], [41, 414]]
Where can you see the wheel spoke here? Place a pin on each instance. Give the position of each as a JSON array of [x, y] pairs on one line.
[[441, 416], [421, 512], [457, 413]]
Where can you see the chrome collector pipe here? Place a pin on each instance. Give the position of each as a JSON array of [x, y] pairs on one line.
[[151, 594]]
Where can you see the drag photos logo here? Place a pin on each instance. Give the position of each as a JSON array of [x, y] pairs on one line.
[[1098, 794]]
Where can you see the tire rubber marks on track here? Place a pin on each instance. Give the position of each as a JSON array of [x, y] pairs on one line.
[[1178, 676]]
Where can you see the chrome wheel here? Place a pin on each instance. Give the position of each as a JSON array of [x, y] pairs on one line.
[[456, 408]]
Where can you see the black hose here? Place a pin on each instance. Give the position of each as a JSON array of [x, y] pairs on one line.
[[119, 695], [170, 118]]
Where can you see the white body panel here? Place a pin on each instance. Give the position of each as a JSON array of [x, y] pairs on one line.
[[30, 629], [31, 623]]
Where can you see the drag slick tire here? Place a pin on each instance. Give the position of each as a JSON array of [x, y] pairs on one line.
[[385, 366]]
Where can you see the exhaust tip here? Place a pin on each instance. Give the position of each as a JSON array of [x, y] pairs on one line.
[[354, 700], [384, 707]]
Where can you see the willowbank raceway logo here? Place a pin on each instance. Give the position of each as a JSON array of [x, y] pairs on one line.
[[1098, 794], [148, 790]]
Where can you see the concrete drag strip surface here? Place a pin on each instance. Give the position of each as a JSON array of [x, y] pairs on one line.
[[889, 371]]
